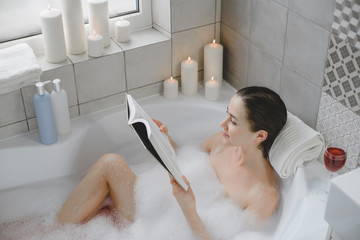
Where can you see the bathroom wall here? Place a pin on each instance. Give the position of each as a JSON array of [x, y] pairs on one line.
[[307, 51], [180, 29], [280, 44]]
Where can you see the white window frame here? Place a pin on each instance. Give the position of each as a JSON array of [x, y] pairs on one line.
[[139, 20]]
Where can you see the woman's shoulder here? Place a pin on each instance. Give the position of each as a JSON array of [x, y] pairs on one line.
[[212, 142], [265, 204]]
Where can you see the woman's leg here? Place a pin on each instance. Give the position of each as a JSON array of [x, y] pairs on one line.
[[110, 174]]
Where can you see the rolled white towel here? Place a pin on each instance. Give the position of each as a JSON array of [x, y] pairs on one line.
[[297, 144], [18, 67]]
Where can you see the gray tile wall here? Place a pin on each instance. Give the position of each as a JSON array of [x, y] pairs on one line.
[[92, 84], [280, 44]]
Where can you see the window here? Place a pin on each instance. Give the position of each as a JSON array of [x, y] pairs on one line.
[[21, 18]]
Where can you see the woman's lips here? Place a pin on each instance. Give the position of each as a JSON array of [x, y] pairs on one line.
[[225, 135]]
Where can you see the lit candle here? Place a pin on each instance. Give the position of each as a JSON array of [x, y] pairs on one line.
[[213, 61], [74, 26], [99, 19], [95, 45], [189, 76], [212, 90], [171, 88], [53, 35], [122, 30]]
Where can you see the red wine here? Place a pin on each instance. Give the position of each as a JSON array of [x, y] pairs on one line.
[[334, 159]]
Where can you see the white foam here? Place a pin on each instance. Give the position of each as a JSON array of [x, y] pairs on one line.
[[158, 215]]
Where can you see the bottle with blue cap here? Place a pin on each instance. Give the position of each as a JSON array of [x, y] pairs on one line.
[[61, 109], [44, 114]]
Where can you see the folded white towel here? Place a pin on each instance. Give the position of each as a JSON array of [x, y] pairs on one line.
[[18, 67], [297, 144]]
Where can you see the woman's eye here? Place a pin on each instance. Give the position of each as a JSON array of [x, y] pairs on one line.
[[232, 121]]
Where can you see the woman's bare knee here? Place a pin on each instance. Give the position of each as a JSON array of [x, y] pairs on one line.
[[112, 165], [110, 160]]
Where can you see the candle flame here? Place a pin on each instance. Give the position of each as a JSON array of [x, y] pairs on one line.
[[189, 59], [49, 8], [94, 33], [214, 41], [121, 19], [171, 79], [212, 78]]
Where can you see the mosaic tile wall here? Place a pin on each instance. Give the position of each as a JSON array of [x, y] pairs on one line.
[[341, 78], [338, 123], [346, 23], [339, 111]]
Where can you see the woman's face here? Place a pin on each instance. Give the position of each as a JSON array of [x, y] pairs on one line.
[[236, 126]]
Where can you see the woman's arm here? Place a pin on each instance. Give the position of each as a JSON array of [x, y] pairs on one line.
[[187, 203]]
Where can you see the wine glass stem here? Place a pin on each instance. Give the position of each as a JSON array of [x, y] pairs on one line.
[[328, 187]]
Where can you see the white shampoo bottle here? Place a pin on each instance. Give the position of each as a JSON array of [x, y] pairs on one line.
[[61, 109]]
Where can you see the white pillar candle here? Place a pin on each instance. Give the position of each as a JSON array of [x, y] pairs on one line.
[[99, 19], [213, 61], [212, 88], [122, 30], [74, 26], [53, 35], [171, 88], [95, 45], [189, 76]]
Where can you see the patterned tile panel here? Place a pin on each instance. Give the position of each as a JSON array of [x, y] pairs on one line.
[[346, 23], [338, 123], [341, 78]]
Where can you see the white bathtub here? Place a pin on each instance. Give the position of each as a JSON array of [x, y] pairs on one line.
[[24, 161]]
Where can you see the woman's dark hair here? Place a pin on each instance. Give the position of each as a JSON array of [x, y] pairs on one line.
[[265, 111]]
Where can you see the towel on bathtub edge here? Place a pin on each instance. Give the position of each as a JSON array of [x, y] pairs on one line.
[[297, 144]]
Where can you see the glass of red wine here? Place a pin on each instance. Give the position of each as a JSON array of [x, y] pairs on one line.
[[334, 160]]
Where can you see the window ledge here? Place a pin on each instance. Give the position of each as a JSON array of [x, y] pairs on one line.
[[140, 38]]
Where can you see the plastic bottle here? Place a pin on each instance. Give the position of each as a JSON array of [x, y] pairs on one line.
[[61, 109], [44, 114]]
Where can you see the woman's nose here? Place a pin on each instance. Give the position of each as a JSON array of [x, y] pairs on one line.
[[223, 124]]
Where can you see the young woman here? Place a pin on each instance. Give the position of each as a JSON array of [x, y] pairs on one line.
[[238, 154]]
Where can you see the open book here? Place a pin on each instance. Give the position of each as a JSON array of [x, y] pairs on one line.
[[156, 142]]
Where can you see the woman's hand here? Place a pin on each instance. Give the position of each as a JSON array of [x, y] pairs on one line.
[[187, 203], [185, 199], [161, 126], [164, 129]]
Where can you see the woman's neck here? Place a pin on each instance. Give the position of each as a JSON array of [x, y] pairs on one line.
[[254, 158]]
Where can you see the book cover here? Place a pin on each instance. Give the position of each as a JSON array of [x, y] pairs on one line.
[[156, 142]]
